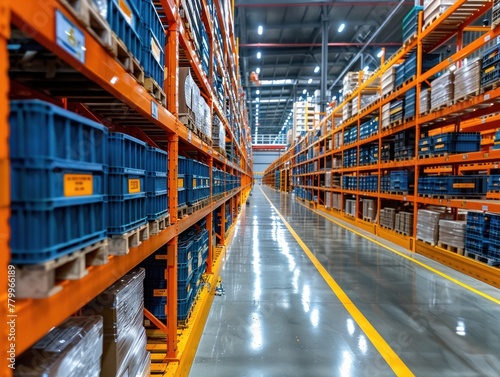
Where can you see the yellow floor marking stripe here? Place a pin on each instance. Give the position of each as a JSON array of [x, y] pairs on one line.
[[421, 264], [392, 359]]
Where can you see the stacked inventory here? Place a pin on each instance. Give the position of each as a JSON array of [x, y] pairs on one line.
[[404, 145], [428, 226], [153, 42], [386, 115], [410, 23], [387, 218], [404, 223], [452, 233], [495, 14], [467, 80], [350, 135], [400, 76], [328, 179], [387, 152], [388, 80], [350, 83], [368, 183], [350, 207], [121, 306], [57, 180], [401, 181], [449, 143], [433, 9], [182, 170], [156, 186], [477, 233], [494, 240], [410, 64], [349, 182], [493, 183], [74, 348], [218, 134], [368, 154], [197, 182], [365, 99], [410, 103], [369, 209], [396, 111], [350, 158], [127, 188], [337, 201], [442, 91], [186, 96], [452, 185], [347, 111], [425, 101], [305, 117], [368, 129], [490, 67]]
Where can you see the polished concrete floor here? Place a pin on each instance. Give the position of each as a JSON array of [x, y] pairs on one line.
[[280, 317]]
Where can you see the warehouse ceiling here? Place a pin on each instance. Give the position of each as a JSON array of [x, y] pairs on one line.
[[290, 48]]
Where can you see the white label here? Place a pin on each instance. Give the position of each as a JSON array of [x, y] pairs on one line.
[[486, 97], [154, 109], [70, 38], [498, 39], [487, 38], [155, 50], [404, 198], [189, 135], [484, 208]]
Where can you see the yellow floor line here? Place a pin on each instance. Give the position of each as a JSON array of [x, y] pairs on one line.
[[385, 350], [421, 264]]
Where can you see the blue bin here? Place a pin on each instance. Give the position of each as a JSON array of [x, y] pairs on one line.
[[127, 152], [42, 234], [126, 183], [184, 307], [157, 205], [126, 212], [157, 160], [124, 18]]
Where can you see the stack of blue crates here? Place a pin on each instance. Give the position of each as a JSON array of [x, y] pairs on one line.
[[490, 66], [277, 176], [349, 182], [493, 183], [205, 50], [496, 144], [401, 181], [368, 183], [350, 136], [396, 110], [400, 76], [450, 143], [127, 183], [404, 145], [182, 170], [410, 103], [58, 181], [197, 181], [368, 129], [453, 185], [368, 154], [350, 158], [494, 240], [125, 20], [155, 283], [156, 183], [477, 233], [387, 152], [385, 183], [410, 23], [410, 64], [153, 42]]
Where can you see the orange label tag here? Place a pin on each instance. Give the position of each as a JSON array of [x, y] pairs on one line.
[[134, 186], [160, 292], [78, 184], [125, 9]]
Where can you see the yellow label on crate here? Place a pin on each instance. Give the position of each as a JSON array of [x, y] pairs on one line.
[[439, 140], [161, 257], [134, 186], [155, 50], [180, 182], [194, 182], [126, 11], [160, 292], [439, 146], [78, 184], [464, 185], [488, 70], [424, 149]]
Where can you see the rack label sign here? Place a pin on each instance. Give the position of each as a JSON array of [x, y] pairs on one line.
[[180, 182], [154, 109], [156, 50], [78, 184], [70, 38], [126, 11], [134, 186], [159, 292]]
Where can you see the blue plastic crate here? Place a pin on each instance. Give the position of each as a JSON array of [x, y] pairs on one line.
[[491, 77], [157, 205], [127, 153], [184, 307], [184, 271], [43, 234], [125, 21], [475, 244], [182, 165], [157, 161], [184, 290], [490, 57], [125, 184], [56, 183], [478, 223], [126, 212], [47, 134], [156, 182], [153, 61], [184, 250], [155, 272], [158, 310]]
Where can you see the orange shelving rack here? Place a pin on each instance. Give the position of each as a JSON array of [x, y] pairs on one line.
[[116, 97], [476, 113]]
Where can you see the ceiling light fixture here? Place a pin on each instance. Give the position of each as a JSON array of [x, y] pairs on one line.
[[304, 91], [341, 28], [258, 70], [366, 69], [257, 92], [260, 30], [380, 53], [316, 70], [259, 54], [309, 81]]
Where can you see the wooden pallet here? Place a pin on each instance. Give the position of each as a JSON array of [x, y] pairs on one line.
[[120, 244], [182, 211], [41, 280], [87, 13], [187, 120], [410, 39], [425, 241], [441, 107], [431, 21], [155, 90], [483, 259], [403, 232], [396, 123], [458, 250], [466, 97], [489, 87], [156, 226], [197, 206]]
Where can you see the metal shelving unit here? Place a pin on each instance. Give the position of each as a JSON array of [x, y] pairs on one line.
[[477, 113], [118, 92]]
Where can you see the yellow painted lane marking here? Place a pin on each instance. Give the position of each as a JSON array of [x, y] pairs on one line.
[[392, 359], [421, 264]]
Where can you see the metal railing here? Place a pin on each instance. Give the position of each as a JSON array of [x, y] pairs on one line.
[[269, 139]]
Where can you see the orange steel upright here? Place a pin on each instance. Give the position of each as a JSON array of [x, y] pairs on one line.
[[5, 342]]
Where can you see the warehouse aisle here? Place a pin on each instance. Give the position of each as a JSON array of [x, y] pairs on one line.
[[372, 313]]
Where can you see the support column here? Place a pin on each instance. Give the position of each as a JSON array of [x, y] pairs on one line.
[[324, 58], [171, 309], [171, 84]]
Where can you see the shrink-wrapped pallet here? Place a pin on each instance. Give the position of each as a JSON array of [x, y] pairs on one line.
[[388, 80], [467, 80], [387, 217], [452, 233], [428, 226], [434, 8], [347, 111], [442, 91], [386, 115], [425, 101]]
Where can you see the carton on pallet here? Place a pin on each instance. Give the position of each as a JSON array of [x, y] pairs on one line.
[[442, 91], [388, 80], [452, 233], [467, 80], [434, 8], [425, 101]]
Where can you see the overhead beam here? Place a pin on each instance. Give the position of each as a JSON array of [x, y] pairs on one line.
[[331, 44], [301, 3]]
